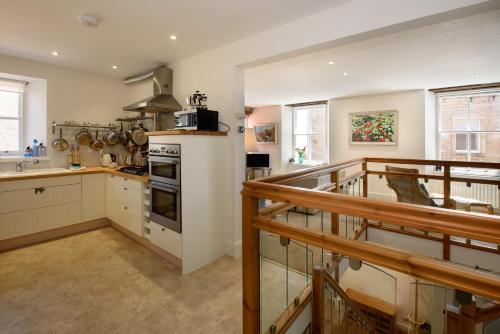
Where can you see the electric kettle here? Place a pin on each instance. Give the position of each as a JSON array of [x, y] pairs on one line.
[[107, 159]]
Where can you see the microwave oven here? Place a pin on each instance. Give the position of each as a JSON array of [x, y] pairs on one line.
[[197, 119]]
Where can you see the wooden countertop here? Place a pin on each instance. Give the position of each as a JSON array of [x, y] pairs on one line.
[[185, 133], [372, 302], [88, 170]]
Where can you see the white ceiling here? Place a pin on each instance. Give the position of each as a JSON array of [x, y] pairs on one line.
[[439, 55], [134, 34]]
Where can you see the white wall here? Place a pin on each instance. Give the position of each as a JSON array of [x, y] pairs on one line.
[[411, 125], [71, 95], [411, 131], [263, 115]]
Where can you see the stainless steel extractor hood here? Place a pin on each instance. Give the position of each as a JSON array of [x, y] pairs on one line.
[[162, 99]]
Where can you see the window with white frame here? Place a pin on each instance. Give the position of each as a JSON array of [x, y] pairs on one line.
[[11, 116], [310, 131], [469, 126]]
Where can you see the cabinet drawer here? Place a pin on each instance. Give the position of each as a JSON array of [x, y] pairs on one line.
[[26, 222], [41, 182], [26, 199], [127, 217], [132, 198], [126, 182], [166, 239], [123, 194]]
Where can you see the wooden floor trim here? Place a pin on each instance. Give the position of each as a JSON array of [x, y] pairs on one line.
[[148, 244], [57, 233]]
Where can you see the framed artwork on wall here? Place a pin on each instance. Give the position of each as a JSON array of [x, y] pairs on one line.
[[373, 128], [266, 133]]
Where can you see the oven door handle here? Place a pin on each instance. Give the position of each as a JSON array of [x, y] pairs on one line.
[[164, 159], [167, 189]]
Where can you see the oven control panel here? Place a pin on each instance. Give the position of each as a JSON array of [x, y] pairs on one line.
[[169, 150]]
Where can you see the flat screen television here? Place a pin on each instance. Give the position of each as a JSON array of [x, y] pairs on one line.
[[258, 160]]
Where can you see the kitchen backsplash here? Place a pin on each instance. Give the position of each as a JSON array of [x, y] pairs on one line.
[[88, 156]]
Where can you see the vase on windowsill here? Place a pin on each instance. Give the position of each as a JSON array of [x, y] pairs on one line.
[[301, 152]]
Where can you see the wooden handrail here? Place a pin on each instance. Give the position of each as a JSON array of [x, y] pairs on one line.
[[454, 276], [424, 162], [446, 222], [286, 319], [439, 177], [463, 224], [331, 282]]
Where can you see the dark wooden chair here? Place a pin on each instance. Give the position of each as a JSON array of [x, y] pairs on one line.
[[408, 189]]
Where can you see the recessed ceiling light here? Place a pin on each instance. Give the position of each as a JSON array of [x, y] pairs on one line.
[[393, 88], [114, 67], [476, 74], [173, 37], [345, 73], [55, 53], [331, 62]]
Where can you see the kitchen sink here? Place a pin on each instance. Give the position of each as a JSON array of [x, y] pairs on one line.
[[35, 171]]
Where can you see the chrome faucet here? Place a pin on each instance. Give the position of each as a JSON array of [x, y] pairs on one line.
[[19, 165]]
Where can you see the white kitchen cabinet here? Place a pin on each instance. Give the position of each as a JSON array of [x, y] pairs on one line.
[[124, 198], [166, 239], [41, 205], [93, 197]]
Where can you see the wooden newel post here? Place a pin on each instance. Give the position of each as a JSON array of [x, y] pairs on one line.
[[334, 217], [447, 205], [251, 271], [318, 301]]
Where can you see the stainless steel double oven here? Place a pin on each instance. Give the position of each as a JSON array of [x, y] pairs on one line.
[[165, 192]]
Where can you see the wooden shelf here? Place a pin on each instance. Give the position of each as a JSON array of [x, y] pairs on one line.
[[185, 133]]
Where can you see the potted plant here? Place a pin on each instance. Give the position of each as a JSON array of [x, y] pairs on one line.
[[301, 152]]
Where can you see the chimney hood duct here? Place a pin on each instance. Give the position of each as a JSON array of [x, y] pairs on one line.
[[162, 99]]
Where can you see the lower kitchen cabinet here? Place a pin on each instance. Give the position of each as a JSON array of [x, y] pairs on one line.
[[93, 197], [124, 202], [45, 204], [166, 239]]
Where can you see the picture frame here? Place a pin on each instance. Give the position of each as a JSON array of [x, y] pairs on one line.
[[373, 128], [266, 133]]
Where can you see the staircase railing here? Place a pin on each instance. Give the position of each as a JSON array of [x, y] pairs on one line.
[[333, 311], [329, 199]]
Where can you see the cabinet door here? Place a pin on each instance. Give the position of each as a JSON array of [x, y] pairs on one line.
[[132, 220], [111, 205], [15, 224], [93, 196]]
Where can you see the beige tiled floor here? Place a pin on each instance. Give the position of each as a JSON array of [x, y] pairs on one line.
[[103, 282]]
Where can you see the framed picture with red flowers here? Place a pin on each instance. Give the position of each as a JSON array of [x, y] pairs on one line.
[[373, 128]]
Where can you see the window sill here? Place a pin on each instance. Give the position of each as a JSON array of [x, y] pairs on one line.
[[308, 163], [16, 158]]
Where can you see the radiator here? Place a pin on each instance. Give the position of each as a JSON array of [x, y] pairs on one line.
[[486, 193]]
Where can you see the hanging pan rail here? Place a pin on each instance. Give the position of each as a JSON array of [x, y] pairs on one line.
[[87, 125]]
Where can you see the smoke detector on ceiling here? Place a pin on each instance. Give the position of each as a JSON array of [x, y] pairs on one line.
[[89, 20]]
